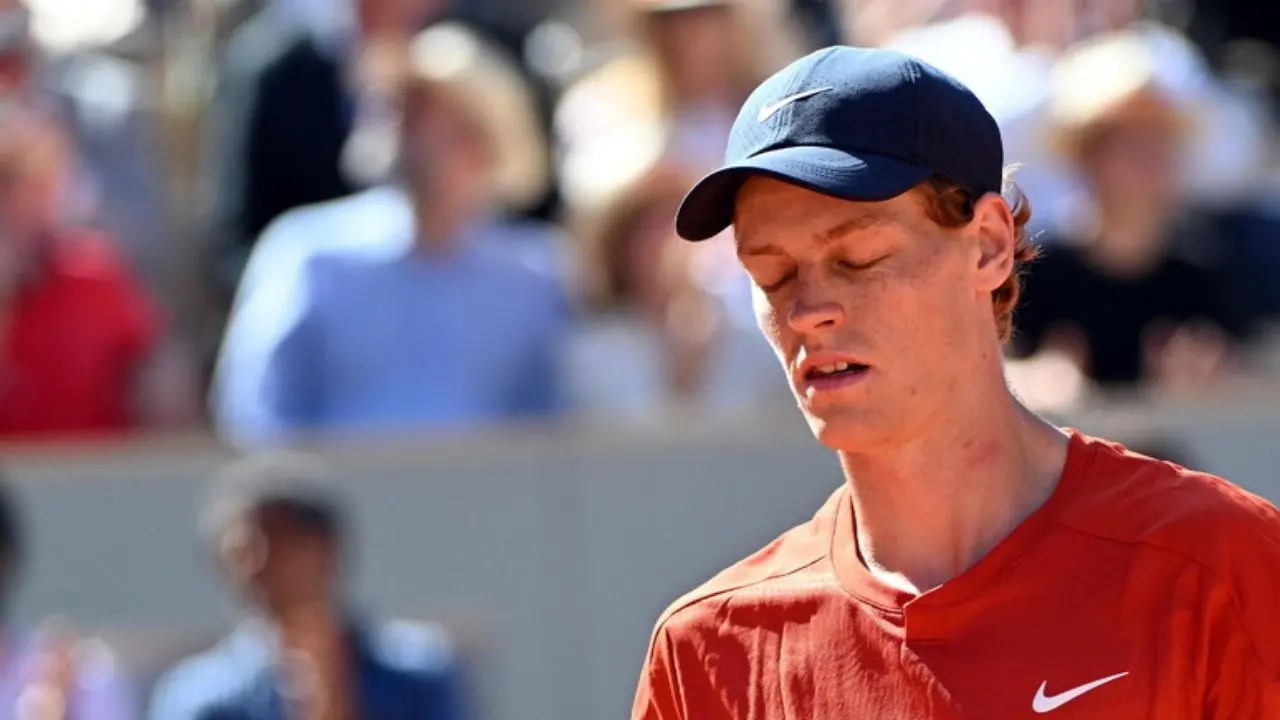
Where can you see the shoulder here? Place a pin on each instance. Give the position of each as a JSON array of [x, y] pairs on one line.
[[536, 250], [90, 263], [279, 52], [1202, 518], [776, 575], [219, 678], [87, 254], [258, 44], [413, 648], [1193, 524], [369, 223]]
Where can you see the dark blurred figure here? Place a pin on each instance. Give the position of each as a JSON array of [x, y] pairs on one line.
[[709, 55], [50, 674], [280, 535], [288, 97], [82, 346], [1137, 291]]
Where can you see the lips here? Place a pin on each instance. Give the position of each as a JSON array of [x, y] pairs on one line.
[[830, 371], [840, 367]]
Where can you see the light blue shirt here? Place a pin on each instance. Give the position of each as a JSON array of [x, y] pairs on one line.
[[341, 326]]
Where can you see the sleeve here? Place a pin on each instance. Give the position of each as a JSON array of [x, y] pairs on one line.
[[267, 383], [1243, 657], [658, 694]]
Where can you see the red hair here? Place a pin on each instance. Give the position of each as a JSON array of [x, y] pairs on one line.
[[951, 206]]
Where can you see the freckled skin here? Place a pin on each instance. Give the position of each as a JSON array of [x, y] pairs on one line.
[[884, 283]]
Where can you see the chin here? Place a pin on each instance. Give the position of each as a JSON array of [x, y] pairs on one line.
[[850, 430]]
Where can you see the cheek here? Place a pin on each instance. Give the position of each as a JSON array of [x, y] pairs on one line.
[[921, 308], [770, 320]]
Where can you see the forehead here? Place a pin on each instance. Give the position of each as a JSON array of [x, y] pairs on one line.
[[769, 211]]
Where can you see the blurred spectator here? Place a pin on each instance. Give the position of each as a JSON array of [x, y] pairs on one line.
[[412, 306], [1137, 294], [280, 535], [50, 673], [696, 62], [289, 93], [703, 67], [82, 349], [118, 181], [1005, 51], [675, 100], [653, 337]]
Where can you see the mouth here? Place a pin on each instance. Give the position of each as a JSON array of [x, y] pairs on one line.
[[833, 375]]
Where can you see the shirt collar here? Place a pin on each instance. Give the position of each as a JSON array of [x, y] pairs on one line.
[[404, 242]]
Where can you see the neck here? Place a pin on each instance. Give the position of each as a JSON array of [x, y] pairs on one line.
[[932, 508], [316, 637], [437, 227], [307, 621]]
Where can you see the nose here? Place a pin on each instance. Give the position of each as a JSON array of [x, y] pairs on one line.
[[815, 307]]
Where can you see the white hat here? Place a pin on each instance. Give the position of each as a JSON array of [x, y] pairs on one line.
[[1104, 75]]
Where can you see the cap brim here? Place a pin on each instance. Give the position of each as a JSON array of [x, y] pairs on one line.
[[707, 210]]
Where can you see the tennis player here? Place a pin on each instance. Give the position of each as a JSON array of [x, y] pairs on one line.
[[978, 562]]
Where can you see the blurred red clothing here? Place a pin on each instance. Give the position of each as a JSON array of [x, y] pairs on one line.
[[73, 343]]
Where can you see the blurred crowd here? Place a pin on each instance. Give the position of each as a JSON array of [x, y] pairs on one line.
[[332, 218]]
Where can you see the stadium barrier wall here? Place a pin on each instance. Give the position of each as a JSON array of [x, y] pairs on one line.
[[550, 552]]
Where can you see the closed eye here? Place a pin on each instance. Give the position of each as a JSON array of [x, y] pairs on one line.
[[853, 266], [777, 284]]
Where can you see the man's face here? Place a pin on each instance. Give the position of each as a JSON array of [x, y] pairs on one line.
[[279, 563], [696, 46], [32, 172], [1134, 162], [447, 153], [898, 304]]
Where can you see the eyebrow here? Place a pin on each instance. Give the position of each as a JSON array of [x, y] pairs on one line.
[[831, 234]]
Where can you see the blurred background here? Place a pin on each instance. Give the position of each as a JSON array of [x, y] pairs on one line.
[[429, 243]]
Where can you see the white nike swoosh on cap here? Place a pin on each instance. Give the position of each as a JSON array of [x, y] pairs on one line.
[[768, 111], [1042, 703]]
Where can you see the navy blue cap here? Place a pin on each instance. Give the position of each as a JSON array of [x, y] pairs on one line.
[[854, 123]]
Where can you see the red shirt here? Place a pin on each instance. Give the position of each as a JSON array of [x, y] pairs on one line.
[[1139, 591], [75, 341]]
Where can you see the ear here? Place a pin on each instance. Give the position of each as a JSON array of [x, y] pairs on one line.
[[995, 239]]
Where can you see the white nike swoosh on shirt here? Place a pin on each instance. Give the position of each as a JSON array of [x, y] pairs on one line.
[[1043, 703], [768, 111]]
